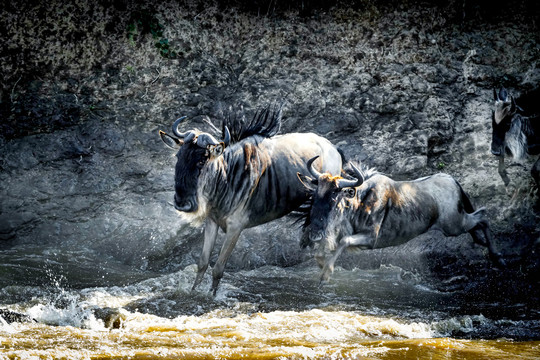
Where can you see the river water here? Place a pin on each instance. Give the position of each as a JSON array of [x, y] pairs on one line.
[[85, 306]]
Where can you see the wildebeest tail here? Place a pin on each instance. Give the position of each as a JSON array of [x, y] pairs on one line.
[[473, 220], [479, 214], [466, 201], [474, 217], [342, 154]]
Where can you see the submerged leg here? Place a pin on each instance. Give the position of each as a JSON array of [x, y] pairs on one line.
[[225, 253], [321, 252], [353, 240], [210, 235], [478, 235]]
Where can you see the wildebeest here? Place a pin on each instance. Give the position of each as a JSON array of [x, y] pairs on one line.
[[516, 129], [373, 211], [245, 180]]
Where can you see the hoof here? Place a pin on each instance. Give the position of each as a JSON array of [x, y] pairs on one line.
[[215, 285], [325, 276]]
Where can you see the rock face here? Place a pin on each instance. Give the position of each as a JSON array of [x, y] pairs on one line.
[[406, 89]]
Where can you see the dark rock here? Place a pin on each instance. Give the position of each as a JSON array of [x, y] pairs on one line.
[[15, 317], [82, 165], [112, 318]]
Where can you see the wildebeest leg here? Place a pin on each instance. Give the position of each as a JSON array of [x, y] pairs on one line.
[[321, 253], [495, 256], [352, 240], [210, 235], [225, 253], [319, 257], [483, 230], [477, 235], [502, 171]]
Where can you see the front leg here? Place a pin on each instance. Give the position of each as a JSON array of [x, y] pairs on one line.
[[226, 250], [502, 171], [363, 240], [210, 235], [321, 252]]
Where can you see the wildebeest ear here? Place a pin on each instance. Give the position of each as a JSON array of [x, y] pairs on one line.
[[308, 182], [216, 150], [503, 94], [169, 140]]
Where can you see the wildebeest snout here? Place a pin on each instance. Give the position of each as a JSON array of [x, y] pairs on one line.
[[316, 235], [496, 151], [186, 205]]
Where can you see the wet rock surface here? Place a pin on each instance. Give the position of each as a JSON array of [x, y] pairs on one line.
[[406, 89]]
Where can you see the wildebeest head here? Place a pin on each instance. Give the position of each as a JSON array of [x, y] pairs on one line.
[[329, 194], [505, 108], [195, 149]]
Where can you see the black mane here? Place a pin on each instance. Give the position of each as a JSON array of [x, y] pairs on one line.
[[365, 170], [266, 122]]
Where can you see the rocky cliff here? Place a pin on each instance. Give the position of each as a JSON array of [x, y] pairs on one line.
[[405, 87]]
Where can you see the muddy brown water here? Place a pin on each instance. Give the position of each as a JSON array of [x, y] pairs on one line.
[[270, 312]]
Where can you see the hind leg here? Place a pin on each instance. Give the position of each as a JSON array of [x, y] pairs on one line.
[[478, 235], [481, 235], [495, 256], [363, 240]]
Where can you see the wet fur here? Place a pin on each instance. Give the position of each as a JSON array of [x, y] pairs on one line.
[[250, 182], [385, 213]]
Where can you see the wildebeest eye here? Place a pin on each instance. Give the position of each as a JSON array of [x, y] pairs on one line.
[[349, 192]]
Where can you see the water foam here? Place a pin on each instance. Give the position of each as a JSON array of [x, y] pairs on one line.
[[4, 326]]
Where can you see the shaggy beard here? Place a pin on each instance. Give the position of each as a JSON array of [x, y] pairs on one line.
[[337, 228], [196, 218]]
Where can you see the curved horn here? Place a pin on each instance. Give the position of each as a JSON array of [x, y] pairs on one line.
[[204, 139], [344, 183], [175, 131], [311, 169], [227, 138]]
